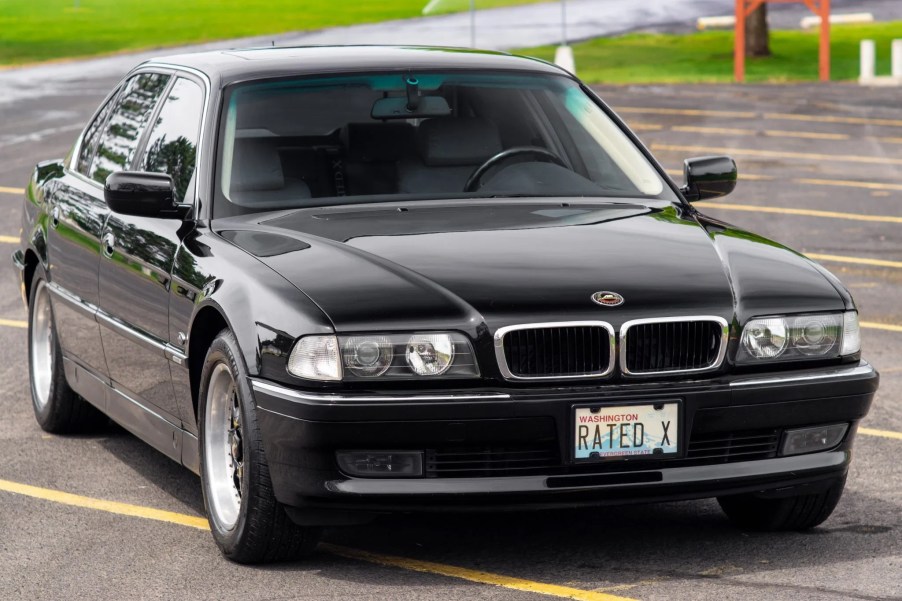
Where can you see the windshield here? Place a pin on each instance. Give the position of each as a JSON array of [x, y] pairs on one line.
[[369, 138]]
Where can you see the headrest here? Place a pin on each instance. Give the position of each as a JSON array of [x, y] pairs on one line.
[[379, 142], [256, 165], [449, 141]]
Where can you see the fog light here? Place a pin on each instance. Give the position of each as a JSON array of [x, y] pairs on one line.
[[811, 440], [381, 464]]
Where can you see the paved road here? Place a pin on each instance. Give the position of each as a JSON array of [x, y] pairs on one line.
[[801, 194]]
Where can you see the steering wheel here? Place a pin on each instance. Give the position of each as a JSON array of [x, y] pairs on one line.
[[520, 154]]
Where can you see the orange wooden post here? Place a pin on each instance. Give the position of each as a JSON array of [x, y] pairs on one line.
[[825, 41], [744, 8], [739, 43]]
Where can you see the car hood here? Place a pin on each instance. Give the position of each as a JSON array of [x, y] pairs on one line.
[[473, 265]]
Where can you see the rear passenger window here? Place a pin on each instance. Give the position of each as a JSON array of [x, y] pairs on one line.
[[120, 139], [92, 133], [172, 145]]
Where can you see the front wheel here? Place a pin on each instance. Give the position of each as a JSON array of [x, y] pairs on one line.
[[248, 523], [800, 512]]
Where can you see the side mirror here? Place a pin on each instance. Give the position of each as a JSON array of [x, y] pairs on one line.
[[708, 177], [143, 194]]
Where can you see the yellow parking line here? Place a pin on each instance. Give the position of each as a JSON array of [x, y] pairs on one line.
[[804, 212], [773, 133], [881, 433], [856, 260], [809, 135], [687, 112], [755, 115], [65, 498], [778, 154], [415, 565], [639, 126], [9, 239], [848, 183], [835, 119], [873, 325], [13, 323], [890, 140], [6, 190], [517, 584]]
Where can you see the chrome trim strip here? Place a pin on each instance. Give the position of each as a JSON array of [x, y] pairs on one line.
[[721, 353], [173, 353], [501, 359], [301, 396], [73, 301], [167, 350], [865, 369]]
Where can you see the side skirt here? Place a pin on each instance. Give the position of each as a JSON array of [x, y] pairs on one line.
[[140, 420]]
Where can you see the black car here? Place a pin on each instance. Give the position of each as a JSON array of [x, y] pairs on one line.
[[339, 282]]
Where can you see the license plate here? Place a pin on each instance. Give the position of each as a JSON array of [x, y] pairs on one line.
[[626, 431]]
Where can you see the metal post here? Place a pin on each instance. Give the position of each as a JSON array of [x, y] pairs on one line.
[[868, 60], [472, 23], [897, 59]]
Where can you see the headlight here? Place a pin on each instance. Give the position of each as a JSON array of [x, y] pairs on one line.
[[372, 356], [430, 354], [798, 337]]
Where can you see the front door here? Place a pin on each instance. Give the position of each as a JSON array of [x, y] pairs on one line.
[[138, 257]]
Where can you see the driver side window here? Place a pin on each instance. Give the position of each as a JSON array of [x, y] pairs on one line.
[[172, 145], [123, 132]]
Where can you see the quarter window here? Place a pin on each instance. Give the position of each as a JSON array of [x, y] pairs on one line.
[[120, 139], [89, 139], [172, 145]]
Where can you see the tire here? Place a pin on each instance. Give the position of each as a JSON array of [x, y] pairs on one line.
[[800, 512], [248, 523], [57, 408]]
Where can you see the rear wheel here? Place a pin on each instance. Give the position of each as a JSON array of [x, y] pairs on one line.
[[800, 512], [56, 406], [248, 523]]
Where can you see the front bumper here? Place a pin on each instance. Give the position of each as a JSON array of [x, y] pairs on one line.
[[303, 430]]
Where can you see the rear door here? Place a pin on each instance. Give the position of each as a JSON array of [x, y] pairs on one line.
[[139, 253]]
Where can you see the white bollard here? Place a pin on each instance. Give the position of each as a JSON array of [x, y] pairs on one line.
[[897, 59], [868, 61], [563, 58]]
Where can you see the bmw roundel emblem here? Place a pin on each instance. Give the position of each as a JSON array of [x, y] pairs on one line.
[[607, 299]]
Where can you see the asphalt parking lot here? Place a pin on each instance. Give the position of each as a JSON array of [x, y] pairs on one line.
[[106, 517]]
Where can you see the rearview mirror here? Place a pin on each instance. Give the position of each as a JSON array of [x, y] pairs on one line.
[[708, 177], [400, 108], [141, 193]]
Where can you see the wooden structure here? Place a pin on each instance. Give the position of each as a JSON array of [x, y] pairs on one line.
[[744, 8]]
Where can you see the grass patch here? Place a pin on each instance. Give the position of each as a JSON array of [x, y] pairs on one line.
[[51, 29], [707, 56]]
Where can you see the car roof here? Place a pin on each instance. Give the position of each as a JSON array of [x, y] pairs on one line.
[[226, 66]]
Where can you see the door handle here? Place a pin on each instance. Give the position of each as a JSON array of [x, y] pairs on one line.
[[55, 217], [109, 244]]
